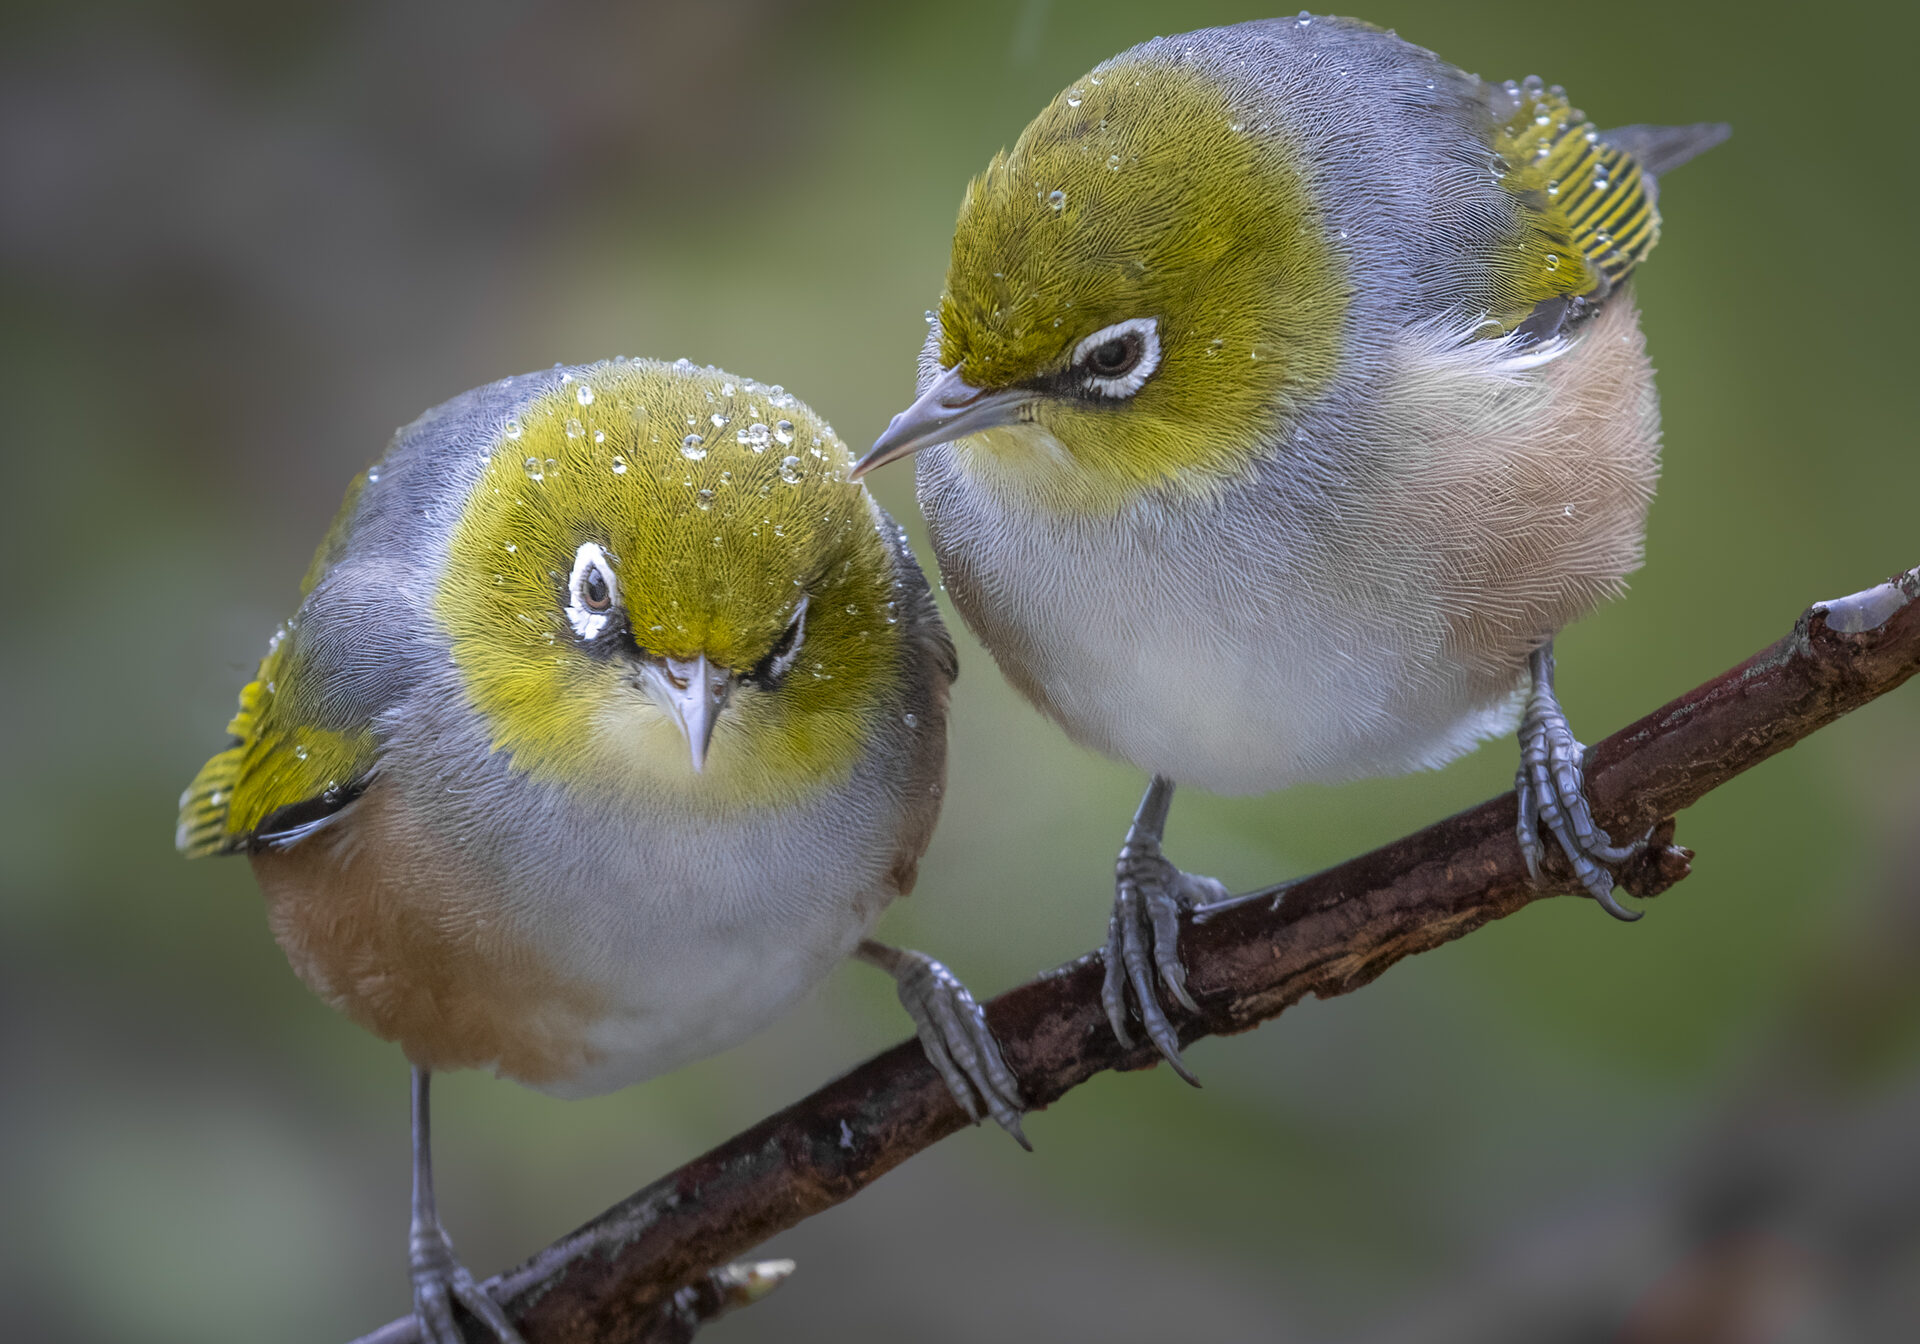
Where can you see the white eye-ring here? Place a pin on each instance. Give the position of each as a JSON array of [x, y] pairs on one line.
[[591, 592], [1116, 361]]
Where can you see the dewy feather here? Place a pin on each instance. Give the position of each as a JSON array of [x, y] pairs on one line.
[[1402, 429], [477, 833], [612, 716]]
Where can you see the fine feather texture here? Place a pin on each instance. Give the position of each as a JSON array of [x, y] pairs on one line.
[[1348, 581], [1363, 604], [582, 929]]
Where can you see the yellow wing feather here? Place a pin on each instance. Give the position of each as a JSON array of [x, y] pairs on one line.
[[1587, 206]]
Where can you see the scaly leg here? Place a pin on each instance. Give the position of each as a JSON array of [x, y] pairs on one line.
[[1143, 934], [954, 1033], [438, 1279], [1552, 788]]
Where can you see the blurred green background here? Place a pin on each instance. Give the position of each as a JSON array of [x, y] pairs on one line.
[[239, 243]]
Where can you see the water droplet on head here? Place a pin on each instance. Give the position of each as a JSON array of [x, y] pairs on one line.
[[373, 474], [704, 499], [783, 431], [299, 753], [726, 389], [534, 473], [1113, 163], [719, 420], [1074, 97], [1304, 21], [599, 436], [584, 395], [619, 465], [692, 448], [513, 430], [790, 470], [1553, 261], [911, 720], [1057, 199], [754, 436], [574, 429]]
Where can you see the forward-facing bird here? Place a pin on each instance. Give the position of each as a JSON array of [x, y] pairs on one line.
[[612, 716], [1286, 397]]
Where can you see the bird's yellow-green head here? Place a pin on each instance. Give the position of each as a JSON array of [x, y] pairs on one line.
[[1137, 292], [664, 573]]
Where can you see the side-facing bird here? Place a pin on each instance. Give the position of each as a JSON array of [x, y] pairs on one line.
[[612, 716], [1286, 397]]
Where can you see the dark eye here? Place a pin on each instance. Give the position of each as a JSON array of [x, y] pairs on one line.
[[769, 671], [1113, 358], [595, 594], [1116, 361]]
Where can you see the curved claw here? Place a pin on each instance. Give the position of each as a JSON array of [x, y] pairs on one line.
[[1551, 788], [1528, 827], [1143, 947], [954, 1034], [1113, 988]]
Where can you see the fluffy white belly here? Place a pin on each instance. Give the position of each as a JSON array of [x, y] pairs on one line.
[[1238, 679], [694, 941]]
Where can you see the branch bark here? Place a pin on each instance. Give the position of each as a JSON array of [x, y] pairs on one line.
[[641, 1271]]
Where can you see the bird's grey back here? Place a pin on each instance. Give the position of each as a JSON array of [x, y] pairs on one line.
[[1397, 148], [365, 636]]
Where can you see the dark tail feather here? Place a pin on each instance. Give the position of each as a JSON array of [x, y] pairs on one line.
[[1661, 148]]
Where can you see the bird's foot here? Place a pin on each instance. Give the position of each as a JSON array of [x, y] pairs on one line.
[[954, 1032], [1143, 943], [439, 1281], [1551, 785]]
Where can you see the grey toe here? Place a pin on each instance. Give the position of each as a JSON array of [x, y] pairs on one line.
[[954, 1033]]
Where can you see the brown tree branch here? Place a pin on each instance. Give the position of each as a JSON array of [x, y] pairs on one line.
[[643, 1270]]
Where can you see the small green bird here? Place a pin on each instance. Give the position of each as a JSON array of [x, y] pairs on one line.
[[612, 716], [1286, 397]]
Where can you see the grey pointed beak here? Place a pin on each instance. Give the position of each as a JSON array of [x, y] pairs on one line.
[[949, 409], [694, 691]]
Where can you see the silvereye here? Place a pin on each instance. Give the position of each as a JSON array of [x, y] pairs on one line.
[[1286, 396], [612, 716]]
